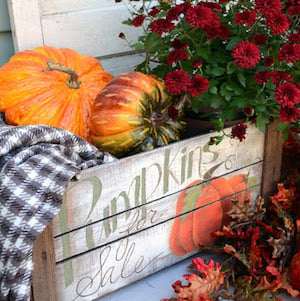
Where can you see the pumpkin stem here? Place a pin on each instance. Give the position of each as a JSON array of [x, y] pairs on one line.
[[73, 82]]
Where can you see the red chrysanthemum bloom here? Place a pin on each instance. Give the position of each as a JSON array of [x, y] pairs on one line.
[[177, 44], [239, 131], [246, 17], [138, 20], [174, 12], [177, 55], [214, 6], [260, 39], [213, 29], [293, 7], [198, 85], [278, 76], [248, 111], [294, 37], [289, 52], [177, 81], [161, 26], [287, 94], [267, 7], [224, 32], [154, 11], [196, 63], [269, 61], [289, 114], [246, 54], [278, 23], [262, 77], [199, 16]]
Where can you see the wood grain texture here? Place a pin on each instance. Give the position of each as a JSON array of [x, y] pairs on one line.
[[272, 160], [44, 274]]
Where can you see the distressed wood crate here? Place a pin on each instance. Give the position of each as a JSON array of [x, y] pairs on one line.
[[115, 223]]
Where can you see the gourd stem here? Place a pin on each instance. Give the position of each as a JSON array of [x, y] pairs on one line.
[[73, 82]]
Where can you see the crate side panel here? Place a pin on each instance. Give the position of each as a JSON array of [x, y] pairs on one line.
[[148, 215], [133, 181], [110, 267]]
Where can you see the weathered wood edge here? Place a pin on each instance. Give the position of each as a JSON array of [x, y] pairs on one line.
[[272, 159], [43, 278]]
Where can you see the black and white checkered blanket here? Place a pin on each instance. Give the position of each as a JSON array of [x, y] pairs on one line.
[[36, 164]]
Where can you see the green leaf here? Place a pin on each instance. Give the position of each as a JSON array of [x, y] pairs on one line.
[[261, 122], [232, 43], [242, 79], [137, 46], [231, 67], [213, 90]]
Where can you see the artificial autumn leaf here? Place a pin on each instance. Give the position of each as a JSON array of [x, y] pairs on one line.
[[200, 286], [280, 282], [241, 257], [243, 213], [284, 196], [281, 246], [255, 256], [229, 233]]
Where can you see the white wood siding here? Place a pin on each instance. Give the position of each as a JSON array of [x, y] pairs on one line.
[[91, 27]]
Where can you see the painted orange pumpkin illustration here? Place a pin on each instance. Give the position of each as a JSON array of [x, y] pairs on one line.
[[189, 231]]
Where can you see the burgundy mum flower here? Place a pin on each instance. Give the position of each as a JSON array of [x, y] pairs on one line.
[[278, 23], [174, 12], [239, 131], [138, 20], [267, 7], [196, 63], [294, 37], [289, 52], [214, 6], [177, 55], [154, 11], [269, 61], [199, 16], [289, 114], [279, 76], [177, 81], [198, 85], [260, 39], [177, 44], [262, 77], [246, 54], [248, 111], [213, 29], [246, 17], [287, 94], [293, 8], [161, 26]]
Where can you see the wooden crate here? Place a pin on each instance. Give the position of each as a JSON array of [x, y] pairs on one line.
[[115, 223]]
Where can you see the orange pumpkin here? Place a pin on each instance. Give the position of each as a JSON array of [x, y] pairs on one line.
[[131, 114], [51, 86], [195, 229]]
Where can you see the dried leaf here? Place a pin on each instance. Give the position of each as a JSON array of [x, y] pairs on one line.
[[200, 288], [244, 213]]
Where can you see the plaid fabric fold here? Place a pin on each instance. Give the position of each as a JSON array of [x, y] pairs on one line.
[[36, 165]]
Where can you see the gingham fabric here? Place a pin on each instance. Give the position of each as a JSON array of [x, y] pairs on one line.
[[36, 164]]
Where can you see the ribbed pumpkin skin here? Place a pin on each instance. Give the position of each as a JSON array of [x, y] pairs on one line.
[[125, 116], [29, 94]]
